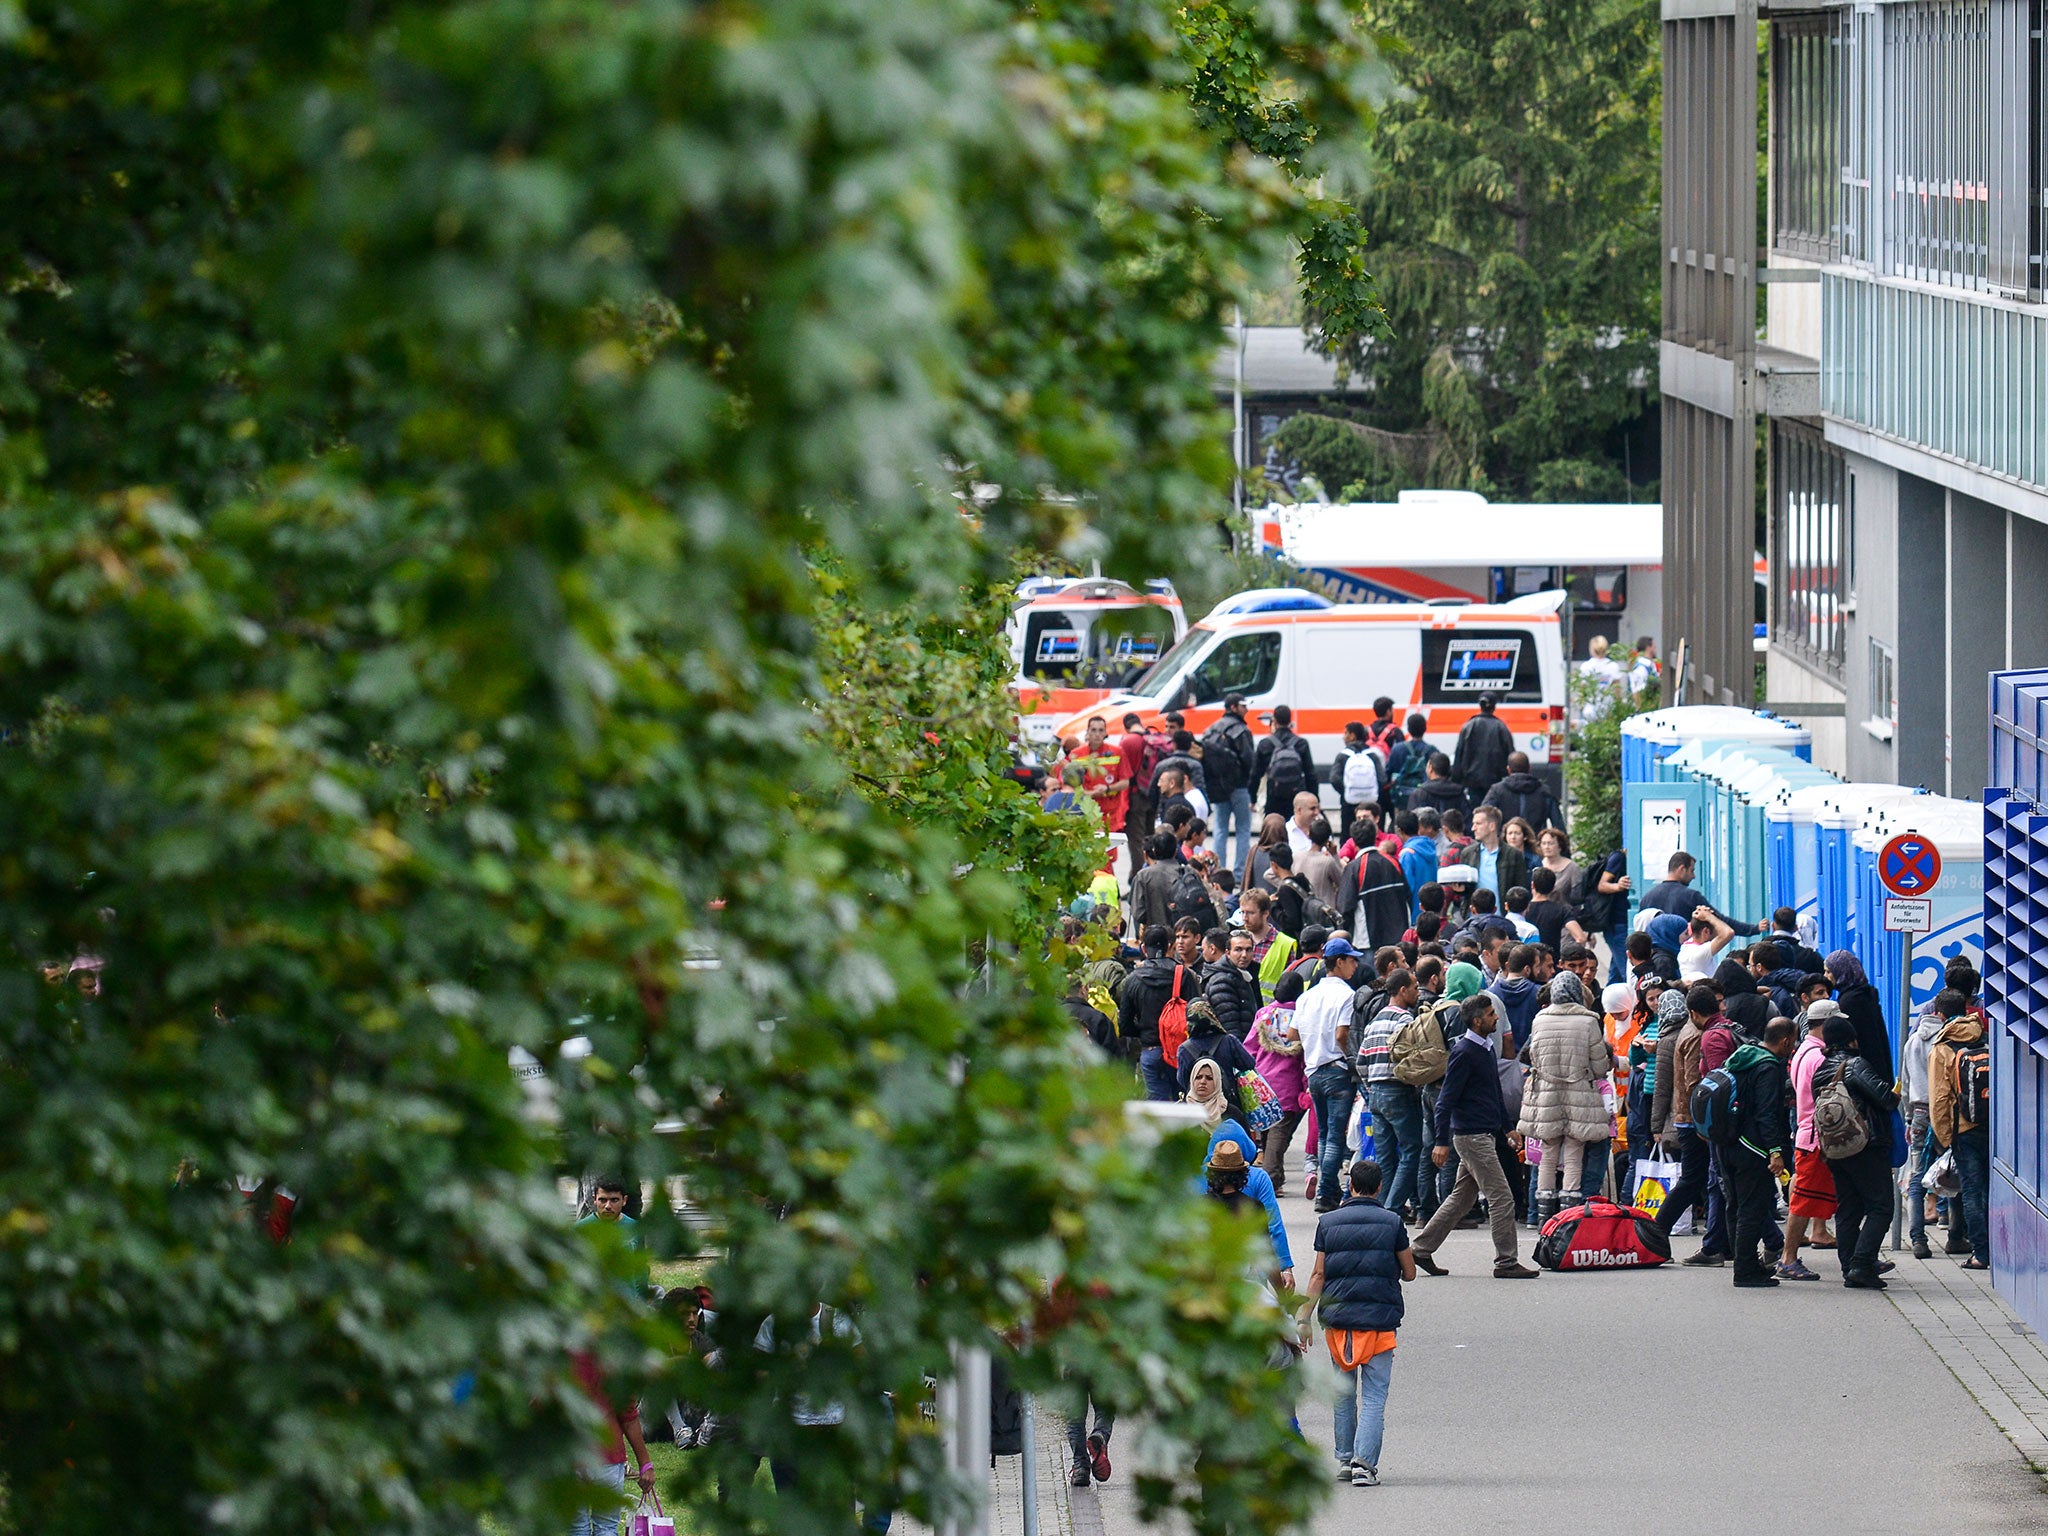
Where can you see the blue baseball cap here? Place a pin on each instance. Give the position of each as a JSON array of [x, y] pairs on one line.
[[1337, 949]]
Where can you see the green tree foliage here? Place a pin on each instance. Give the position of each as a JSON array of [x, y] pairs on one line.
[[1514, 234], [482, 553], [1340, 458], [1593, 772]]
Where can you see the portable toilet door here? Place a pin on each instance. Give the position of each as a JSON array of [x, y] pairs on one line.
[[1835, 821], [1658, 820], [1751, 841]]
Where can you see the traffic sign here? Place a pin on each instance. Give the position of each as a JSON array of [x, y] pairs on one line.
[[1909, 865], [1908, 914]]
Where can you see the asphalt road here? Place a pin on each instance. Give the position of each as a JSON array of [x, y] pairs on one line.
[[1663, 1401]]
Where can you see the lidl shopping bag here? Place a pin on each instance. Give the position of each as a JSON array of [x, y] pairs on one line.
[[1656, 1177]]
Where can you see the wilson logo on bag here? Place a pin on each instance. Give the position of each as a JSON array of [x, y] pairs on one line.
[[1602, 1235]]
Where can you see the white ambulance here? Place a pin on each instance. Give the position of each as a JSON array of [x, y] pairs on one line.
[[1075, 640], [1329, 662]]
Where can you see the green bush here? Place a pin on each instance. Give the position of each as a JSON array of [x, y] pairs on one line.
[[1338, 457]]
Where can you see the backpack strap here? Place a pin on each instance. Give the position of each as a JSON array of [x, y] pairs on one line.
[[1176, 984]]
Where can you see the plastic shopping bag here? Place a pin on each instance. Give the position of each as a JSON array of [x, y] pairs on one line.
[[1656, 1177], [654, 1523], [1361, 1128]]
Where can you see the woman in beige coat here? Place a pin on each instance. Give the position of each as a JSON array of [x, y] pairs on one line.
[[1561, 1102]]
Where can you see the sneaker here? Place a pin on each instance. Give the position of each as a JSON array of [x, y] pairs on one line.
[[1079, 1477], [1308, 1187], [1795, 1271], [1706, 1260], [1514, 1271], [1363, 1476], [1426, 1262], [1921, 1250], [1098, 1458]]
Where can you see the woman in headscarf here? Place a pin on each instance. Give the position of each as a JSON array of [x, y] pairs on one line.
[[1860, 1003], [1207, 1093], [1561, 1103]]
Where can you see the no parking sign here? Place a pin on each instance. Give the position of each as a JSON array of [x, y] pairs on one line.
[[1909, 865]]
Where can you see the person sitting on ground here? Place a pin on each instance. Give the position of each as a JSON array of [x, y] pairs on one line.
[[1362, 1256]]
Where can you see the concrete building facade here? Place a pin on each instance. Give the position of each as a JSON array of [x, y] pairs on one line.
[[1893, 382]]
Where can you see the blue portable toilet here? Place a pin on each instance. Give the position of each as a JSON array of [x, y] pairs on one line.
[[1752, 845], [1795, 851], [1657, 733], [1835, 822]]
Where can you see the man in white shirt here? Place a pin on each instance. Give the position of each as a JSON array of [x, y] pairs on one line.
[[1306, 809], [1606, 676], [1706, 938], [1323, 1018]]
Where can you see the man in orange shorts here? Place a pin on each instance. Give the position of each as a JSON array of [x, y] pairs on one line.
[[1362, 1256], [1813, 1186]]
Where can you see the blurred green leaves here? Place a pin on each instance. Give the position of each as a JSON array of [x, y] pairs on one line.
[[491, 534]]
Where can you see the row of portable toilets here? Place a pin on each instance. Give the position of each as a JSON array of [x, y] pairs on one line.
[[1737, 789]]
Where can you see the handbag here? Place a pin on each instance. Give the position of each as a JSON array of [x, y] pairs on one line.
[[656, 1524], [1260, 1103]]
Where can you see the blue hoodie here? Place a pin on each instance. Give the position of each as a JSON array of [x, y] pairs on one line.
[[1517, 996], [1259, 1186], [1418, 867]]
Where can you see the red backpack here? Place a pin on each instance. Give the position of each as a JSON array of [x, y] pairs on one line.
[[1173, 1023], [1602, 1235]]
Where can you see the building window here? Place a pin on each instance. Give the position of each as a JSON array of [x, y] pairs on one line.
[[1884, 692], [1809, 492], [1807, 105]]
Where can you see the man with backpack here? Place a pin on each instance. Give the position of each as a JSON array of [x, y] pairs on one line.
[[1283, 763], [1374, 902], [1359, 772], [1408, 760], [1154, 996], [1396, 1101], [1852, 1120], [1295, 905], [1959, 1113], [1753, 1153], [1228, 756], [1152, 888], [1138, 755]]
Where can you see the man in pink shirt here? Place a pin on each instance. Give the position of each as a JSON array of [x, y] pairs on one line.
[[1812, 1198]]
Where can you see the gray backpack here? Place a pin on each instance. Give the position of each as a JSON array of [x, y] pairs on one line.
[[1838, 1123]]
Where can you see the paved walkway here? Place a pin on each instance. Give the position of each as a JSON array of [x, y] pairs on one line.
[[1667, 1400]]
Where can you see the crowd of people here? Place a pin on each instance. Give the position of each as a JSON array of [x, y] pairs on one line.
[[1427, 1004]]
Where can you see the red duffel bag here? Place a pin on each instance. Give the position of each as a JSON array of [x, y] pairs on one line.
[[1602, 1235]]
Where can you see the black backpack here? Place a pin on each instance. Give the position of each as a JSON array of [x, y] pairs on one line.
[[1221, 765], [1714, 1108], [1285, 777], [1188, 897], [1413, 770], [1973, 1083]]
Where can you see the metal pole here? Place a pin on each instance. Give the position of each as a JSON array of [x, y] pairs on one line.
[[1030, 1468], [1899, 1077], [1237, 427], [963, 1408]]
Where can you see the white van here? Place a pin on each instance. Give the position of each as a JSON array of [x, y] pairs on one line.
[[1329, 663]]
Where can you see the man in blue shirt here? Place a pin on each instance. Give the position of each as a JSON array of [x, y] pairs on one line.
[[1420, 853]]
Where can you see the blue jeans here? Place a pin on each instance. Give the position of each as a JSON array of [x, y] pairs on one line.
[[1920, 1154], [1617, 953], [1397, 1141], [1161, 1085], [1362, 1409], [1234, 812], [602, 1518], [1333, 1090], [1973, 1172], [1595, 1175]]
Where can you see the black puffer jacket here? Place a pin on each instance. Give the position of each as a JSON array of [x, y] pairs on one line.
[[1234, 996], [1144, 996], [1441, 795]]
